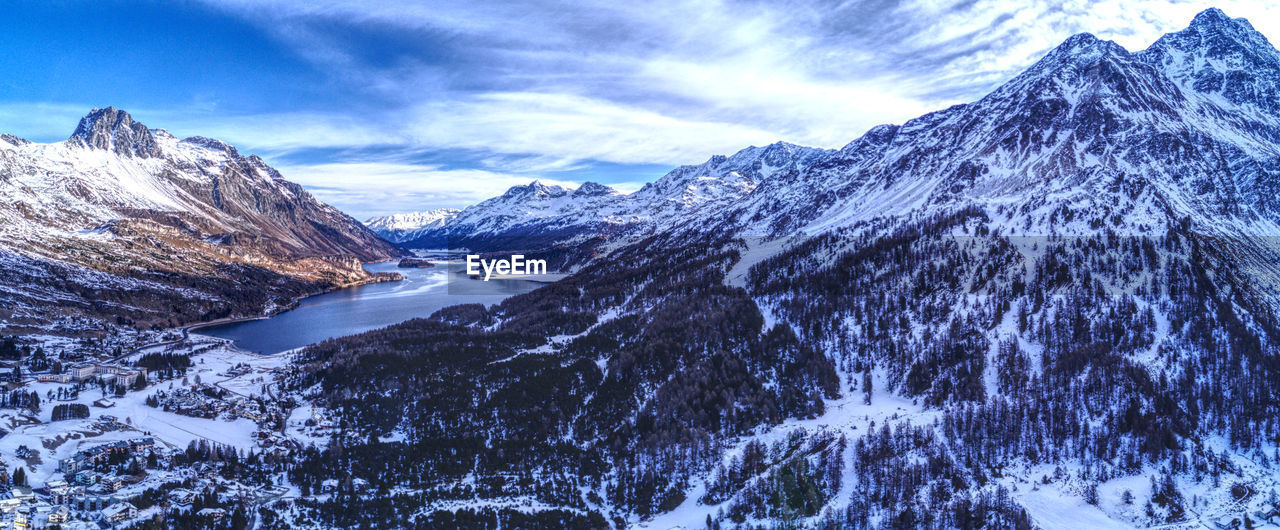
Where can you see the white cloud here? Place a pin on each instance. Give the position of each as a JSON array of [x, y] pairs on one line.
[[677, 81], [538, 86], [575, 128], [367, 189], [275, 133]]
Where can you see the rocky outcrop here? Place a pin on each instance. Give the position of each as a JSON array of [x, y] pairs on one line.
[[415, 263]]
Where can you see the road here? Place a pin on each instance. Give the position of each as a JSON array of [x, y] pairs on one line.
[[186, 334]]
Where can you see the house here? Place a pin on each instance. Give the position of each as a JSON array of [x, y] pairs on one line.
[[22, 518], [54, 378], [22, 493], [64, 493], [104, 403], [74, 463], [120, 511], [1271, 515], [112, 484], [181, 499], [83, 371], [107, 372], [59, 515], [88, 457], [127, 378], [216, 513], [90, 503]]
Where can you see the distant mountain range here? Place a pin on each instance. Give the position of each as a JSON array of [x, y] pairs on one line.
[[401, 227], [133, 225], [687, 195]]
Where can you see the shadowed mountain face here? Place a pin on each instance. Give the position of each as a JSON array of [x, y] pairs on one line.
[[121, 206]]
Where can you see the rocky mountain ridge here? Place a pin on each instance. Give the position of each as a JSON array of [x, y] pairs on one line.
[[149, 210]]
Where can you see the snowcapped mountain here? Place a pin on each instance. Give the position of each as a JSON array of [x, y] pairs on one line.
[[1056, 306], [536, 208], [137, 208], [684, 195], [401, 227], [1193, 121]]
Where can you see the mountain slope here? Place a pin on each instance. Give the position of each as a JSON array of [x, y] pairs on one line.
[[157, 213], [1058, 299]]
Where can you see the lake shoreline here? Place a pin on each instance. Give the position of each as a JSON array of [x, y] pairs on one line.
[[356, 309], [376, 277]]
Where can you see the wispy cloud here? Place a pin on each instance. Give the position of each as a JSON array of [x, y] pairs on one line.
[[570, 127], [388, 187], [585, 79], [517, 90]]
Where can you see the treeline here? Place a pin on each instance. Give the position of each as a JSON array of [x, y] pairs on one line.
[[18, 399], [1113, 353], [70, 411], [627, 411], [167, 365]]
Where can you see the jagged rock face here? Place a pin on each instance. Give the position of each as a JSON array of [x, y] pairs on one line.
[[114, 130], [14, 140], [1221, 56], [128, 201]]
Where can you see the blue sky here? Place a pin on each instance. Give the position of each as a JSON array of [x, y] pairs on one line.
[[382, 107]]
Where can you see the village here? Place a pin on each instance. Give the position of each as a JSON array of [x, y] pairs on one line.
[[94, 439]]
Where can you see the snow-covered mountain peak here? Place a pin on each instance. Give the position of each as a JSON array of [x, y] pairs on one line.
[[1224, 58], [1214, 18], [212, 144], [734, 175], [1065, 64], [402, 227], [536, 189], [413, 219], [1083, 47], [594, 189], [115, 130]]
